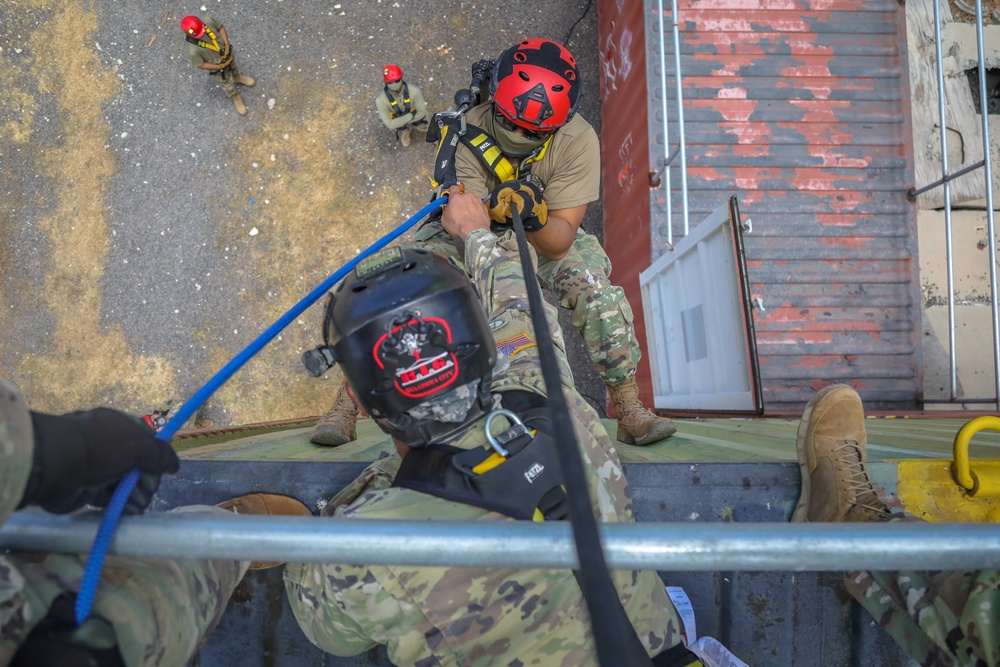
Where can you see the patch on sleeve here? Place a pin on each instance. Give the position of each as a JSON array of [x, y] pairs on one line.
[[512, 346]]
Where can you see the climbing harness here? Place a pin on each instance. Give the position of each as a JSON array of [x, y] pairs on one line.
[[113, 512], [211, 46], [484, 147], [518, 475], [398, 109]]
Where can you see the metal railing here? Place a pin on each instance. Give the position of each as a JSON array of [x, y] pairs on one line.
[[670, 154], [521, 544], [945, 182]]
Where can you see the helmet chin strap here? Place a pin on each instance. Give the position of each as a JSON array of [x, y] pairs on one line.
[[423, 432]]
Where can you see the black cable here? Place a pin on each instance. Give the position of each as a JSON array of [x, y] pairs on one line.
[[617, 643], [576, 23]]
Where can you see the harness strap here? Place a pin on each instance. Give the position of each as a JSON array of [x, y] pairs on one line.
[[396, 109], [211, 46], [526, 485], [677, 656], [486, 150]]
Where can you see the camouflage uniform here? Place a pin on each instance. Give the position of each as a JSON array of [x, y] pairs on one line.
[[449, 616], [940, 618], [156, 610], [570, 171]]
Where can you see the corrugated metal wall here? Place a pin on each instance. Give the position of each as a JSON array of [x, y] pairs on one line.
[[803, 113]]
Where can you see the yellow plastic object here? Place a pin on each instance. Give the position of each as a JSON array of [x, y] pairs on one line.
[[986, 483], [927, 489]]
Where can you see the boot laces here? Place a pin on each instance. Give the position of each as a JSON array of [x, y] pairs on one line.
[[864, 499]]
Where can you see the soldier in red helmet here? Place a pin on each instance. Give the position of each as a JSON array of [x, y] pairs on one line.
[[401, 105], [208, 48], [549, 156]]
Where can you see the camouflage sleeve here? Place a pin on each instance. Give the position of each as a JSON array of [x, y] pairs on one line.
[[16, 448], [417, 96], [494, 265], [379, 475]]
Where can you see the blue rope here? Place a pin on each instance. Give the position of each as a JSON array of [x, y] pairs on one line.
[[92, 573]]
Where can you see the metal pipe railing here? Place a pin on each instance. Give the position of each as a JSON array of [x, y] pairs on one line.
[[680, 115], [681, 148], [912, 194], [666, 131], [654, 546], [949, 257], [987, 158], [987, 165]]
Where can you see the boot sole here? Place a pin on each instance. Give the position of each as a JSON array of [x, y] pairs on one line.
[[331, 438], [801, 512], [654, 436]]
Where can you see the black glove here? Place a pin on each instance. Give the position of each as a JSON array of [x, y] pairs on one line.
[[526, 197], [50, 643], [81, 457]]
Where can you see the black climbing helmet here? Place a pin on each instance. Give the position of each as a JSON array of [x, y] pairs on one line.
[[413, 341]]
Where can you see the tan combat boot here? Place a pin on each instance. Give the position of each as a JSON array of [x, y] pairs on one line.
[[831, 445], [339, 425], [267, 504], [245, 80], [241, 108], [404, 137], [636, 424]]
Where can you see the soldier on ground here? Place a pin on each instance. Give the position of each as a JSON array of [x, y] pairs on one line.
[[208, 48], [401, 105]]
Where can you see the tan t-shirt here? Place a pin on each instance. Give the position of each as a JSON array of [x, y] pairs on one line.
[[198, 55], [570, 169]]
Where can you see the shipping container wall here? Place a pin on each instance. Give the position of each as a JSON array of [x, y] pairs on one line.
[[803, 113]]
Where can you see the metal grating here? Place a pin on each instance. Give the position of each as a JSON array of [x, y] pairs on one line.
[[803, 113]]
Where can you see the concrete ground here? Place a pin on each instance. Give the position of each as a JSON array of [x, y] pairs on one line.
[[148, 232]]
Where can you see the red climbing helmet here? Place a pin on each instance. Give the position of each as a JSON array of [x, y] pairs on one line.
[[536, 85], [391, 73], [192, 25]]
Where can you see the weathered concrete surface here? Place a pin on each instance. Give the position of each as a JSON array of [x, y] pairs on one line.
[[973, 315], [148, 233]]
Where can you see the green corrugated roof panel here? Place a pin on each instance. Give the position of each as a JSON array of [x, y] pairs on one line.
[[701, 440]]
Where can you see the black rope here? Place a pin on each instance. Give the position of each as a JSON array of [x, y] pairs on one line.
[[576, 23], [617, 643]]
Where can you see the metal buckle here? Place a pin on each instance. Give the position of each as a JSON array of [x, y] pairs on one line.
[[516, 431]]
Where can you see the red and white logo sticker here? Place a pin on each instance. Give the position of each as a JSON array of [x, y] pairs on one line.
[[417, 355]]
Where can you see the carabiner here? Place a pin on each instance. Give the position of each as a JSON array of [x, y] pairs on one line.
[[515, 431]]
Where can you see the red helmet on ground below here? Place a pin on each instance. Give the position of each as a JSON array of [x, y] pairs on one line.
[[536, 84], [192, 25], [391, 73]]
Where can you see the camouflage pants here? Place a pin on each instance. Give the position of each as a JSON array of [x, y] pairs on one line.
[[600, 311], [227, 79], [158, 611], [941, 619]]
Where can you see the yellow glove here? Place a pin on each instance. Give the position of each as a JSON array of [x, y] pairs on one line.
[[523, 195]]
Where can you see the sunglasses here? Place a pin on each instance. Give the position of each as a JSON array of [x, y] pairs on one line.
[[508, 124], [393, 81]]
